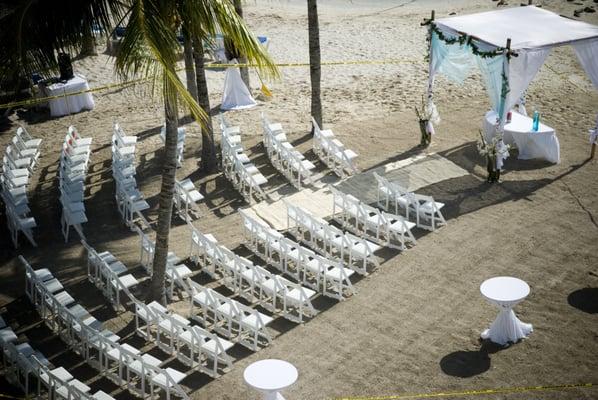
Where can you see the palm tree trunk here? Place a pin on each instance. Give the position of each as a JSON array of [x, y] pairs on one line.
[[189, 67], [315, 70], [88, 44], [208, 149], [242, 59], [157, 290]]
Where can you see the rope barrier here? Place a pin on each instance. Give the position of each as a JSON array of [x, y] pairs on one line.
[[39, 100], [476, 392]]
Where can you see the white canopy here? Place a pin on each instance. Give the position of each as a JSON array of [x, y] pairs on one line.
[[527, 27], [458, 43]]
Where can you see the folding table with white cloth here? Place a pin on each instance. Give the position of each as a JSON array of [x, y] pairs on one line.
[[509, 46], [66, 104], [542, 143]]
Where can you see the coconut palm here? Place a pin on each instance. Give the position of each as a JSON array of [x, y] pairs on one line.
[[242, 60], [148, 49], [315, 69], [189, 66]]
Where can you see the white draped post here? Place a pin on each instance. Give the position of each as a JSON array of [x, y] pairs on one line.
[[428, 129], [587, 53]]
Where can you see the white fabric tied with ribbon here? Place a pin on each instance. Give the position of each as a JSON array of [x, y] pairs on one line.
[[502, 153], [236, 96]]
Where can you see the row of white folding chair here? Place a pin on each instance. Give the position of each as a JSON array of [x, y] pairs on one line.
[[380, 227], [358, 253], [253, 282], [109, 275], [332, 152], [174, 269], [230, 318], [186, 197], [236, 164], [18, 163], [73, 168], [129, 199], [180, 147], [244, 175], [24, 362], [329, 277], [16, 204], [428, 214], [191, 344], [85, 334], [291, 163]]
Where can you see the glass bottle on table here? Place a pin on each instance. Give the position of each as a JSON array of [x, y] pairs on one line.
[[536, 121]]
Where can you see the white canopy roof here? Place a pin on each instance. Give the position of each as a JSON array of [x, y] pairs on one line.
[[528, 27]]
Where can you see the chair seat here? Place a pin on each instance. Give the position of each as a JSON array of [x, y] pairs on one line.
[[182, 271], [167, 325], [100, 395], [7, 335], [429, 206], [137, 365], [226, 309], [61, 374], [163, 381], [63, 391], [295, 294], [259, 179], [212, 347], [154, 305], [126, 281], [336, 273], [53, 285], [195, 196], [117, 267], [270, 286], [252, 320], [115, 353], [349, 154]]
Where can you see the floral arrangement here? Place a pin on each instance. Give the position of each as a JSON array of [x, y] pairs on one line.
[[428, 117], [495, 152]]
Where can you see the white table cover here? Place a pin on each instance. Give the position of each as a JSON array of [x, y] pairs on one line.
[[541, 144], [270, 376], [69, 104], [505, 292]]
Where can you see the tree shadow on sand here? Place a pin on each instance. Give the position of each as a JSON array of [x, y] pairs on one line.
[[465, 364], [585, 299]]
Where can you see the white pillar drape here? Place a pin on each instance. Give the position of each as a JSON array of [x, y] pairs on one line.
[[522, 70], [587, 53]]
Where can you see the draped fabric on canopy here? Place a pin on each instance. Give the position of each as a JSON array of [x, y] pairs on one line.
[[459, 43]]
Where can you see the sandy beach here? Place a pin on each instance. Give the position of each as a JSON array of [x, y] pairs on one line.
[[414, 325]]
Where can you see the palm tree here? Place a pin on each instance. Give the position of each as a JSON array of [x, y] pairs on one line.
[[242, 59], [148, 49], [189, 67], [315, 69], [208, 148]]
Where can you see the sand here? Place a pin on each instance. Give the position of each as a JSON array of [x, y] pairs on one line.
[[414, 325]]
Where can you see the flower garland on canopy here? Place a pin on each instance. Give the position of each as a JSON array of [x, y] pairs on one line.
[[469, 41]]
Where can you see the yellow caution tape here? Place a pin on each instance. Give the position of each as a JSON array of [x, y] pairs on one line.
[[39, 100], [475, 392]]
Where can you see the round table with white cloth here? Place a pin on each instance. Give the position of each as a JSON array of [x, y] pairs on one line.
[[505, 292], [66, 104], [531, 144], [270, 376]]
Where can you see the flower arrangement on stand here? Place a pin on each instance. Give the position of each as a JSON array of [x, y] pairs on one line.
[[495, 152], [427, 115]]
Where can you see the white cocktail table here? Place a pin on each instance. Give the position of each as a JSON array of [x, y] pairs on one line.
[[270, 376], [505, 292]]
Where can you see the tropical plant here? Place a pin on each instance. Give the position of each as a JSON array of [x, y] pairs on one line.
[[148, 49]]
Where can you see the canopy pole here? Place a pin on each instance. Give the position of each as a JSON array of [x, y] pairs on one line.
[[529, 2], [495, 175], [426, 127]]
